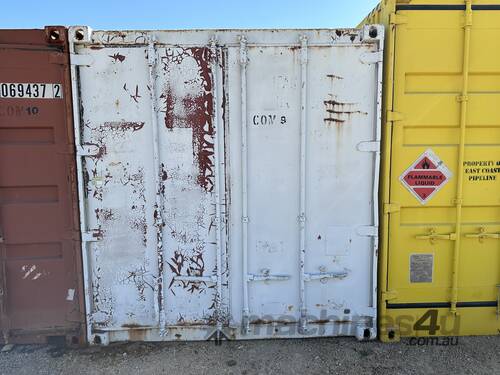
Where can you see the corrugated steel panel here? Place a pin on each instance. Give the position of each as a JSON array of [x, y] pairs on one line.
[[228, 181], [40, 264], [439, 271]]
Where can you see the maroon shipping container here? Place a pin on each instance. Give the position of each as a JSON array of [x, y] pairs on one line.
[[41, 294]]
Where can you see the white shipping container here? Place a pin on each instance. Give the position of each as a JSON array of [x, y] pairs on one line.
[[228, 182]]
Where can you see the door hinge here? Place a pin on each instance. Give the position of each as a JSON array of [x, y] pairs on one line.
[[390, 208], [397, 19], [82, 60], [368, 146], [372, 57], [393, 116], [389, 295], [92, 235], [87, 150], [367, 231]]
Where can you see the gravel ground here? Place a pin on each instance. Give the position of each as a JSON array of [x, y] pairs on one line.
[[471, 355]]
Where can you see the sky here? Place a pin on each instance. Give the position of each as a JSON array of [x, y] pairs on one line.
[[184, 14]]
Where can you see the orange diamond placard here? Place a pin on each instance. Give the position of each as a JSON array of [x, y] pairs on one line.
[[426, 176]]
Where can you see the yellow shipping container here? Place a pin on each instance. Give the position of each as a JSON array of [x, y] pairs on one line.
[[440, 230]]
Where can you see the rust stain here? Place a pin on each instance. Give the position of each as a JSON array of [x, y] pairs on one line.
[[137, 334], [159, 240], [333, 76], [136, 182], [124, 125], [104, 214], [334, 120], [102, 149], [163, 173], [142, 280], [338, 112], [187, 265], [190, 323], [197, 111], [133, 325], [103, 303], [320, 321], [117, 57], [135, 96]]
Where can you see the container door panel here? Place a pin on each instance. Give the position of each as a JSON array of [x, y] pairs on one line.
[[166, 119], [40, 256], [428, 82]]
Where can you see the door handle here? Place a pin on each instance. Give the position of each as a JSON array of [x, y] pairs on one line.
[[432, 236], [482, 235]]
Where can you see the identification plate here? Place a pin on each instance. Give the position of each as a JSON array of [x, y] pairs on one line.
[[31, 90]]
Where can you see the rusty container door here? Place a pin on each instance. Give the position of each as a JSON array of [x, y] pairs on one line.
[[40, 262], [229, 182]]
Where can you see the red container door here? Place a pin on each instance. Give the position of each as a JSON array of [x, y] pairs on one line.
[[40, 263]]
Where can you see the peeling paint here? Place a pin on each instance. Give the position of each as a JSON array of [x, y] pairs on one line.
[[193, 110], [150, 189], [117, 57]]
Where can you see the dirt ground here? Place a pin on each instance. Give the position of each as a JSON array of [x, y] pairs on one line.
[[470, 355]]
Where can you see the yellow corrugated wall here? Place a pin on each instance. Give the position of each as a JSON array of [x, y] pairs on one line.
[[439, 270]]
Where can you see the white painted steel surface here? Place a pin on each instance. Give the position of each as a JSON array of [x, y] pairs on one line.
[[228, 182]]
